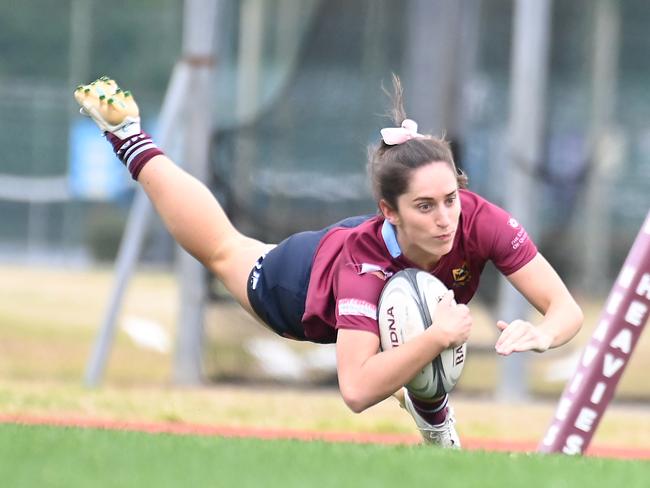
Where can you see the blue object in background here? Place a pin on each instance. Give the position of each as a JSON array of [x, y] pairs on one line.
[[95, 172]]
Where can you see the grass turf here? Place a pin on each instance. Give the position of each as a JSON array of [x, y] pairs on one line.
[[72, 457]]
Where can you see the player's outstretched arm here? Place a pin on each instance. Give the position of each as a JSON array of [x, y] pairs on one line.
[[544, 289], [190, 212]]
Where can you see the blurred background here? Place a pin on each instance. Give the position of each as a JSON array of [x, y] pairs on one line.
[[295, 100]]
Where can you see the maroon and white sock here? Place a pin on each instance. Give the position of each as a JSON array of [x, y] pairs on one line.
[[134, 151], [433, 412]]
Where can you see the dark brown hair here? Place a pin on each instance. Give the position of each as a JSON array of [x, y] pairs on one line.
[[390, 167]]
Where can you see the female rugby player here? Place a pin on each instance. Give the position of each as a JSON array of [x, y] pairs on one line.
[[323, 286]]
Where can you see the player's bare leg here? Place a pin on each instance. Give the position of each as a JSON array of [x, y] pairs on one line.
[[188, 209], [201, 226]]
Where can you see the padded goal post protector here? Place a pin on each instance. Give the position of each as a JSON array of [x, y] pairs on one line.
[[592, 387]]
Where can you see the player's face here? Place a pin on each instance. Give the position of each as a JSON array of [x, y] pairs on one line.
[[427, 215]]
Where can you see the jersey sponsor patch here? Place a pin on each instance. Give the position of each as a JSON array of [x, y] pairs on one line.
[[519, 239], [354, 306]]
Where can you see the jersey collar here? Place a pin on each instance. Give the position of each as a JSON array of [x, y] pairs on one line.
[[390, 239]]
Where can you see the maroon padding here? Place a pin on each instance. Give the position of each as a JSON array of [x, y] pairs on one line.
[[605, 357]]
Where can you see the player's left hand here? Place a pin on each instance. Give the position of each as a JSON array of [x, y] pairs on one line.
[[519, 336]]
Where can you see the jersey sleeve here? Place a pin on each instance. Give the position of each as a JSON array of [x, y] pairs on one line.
[[504, 240], [357, 295]]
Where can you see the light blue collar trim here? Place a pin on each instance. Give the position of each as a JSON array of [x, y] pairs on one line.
[[390, 239]]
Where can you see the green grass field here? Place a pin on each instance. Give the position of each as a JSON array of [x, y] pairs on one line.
[[70, 457]]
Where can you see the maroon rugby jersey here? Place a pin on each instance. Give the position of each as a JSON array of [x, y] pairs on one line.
[[351, 265]]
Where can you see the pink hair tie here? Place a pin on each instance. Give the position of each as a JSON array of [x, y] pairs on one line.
[[399, 135]]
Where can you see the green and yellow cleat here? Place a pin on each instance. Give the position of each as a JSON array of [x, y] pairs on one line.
[[111, 108]]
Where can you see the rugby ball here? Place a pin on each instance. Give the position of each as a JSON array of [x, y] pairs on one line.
[[407, 307]]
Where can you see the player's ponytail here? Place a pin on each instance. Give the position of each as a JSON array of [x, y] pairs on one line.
[[401, 150]]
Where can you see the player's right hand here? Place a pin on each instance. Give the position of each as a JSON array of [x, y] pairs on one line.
[[452, 321], [111, 108]]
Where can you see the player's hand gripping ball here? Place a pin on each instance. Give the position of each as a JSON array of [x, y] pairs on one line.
[[407, 308]]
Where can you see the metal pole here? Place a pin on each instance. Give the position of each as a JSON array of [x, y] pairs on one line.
[[441, 53], [198, 54], [526, 127], [248, 97], [81, 30], [189, 90], [597, 221], [430, 55]]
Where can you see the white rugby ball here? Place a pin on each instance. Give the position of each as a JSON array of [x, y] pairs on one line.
[[407, 306]]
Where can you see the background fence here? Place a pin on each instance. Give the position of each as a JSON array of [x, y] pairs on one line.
[[299, 98]]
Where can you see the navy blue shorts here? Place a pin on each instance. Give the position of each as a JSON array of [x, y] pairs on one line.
[[277, 284]]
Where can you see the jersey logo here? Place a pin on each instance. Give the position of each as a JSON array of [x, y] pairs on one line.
[[461, 275], [255, 275]]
